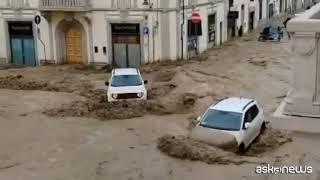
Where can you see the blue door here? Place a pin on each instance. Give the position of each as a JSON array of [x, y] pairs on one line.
[[22, 49], [28, 50], [17, 51]]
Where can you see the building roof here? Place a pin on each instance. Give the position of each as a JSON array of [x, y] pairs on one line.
[[233, 104], [125, 71]]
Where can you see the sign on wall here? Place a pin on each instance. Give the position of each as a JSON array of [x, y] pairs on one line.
[[37, 19], [20, 28], [195, 18], [125, 29]]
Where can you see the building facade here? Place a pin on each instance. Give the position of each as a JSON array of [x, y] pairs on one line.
[[245, 15], [126, 33]]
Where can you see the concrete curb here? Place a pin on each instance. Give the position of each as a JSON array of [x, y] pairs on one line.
[[292, 123]]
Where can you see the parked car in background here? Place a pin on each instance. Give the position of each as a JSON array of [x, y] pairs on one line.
[[271, 33], [125, 84], [231, 123]]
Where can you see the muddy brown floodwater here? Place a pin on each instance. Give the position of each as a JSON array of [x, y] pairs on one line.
[[185, 148], [56, 123]]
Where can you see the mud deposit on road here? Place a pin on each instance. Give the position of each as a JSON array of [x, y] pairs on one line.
[[18, 82], [185, 148], [97, 106]]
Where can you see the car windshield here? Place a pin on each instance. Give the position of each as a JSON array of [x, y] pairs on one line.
[[222, 120], [274, 29], [126, 80]]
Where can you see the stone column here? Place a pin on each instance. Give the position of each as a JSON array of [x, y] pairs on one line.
[[304, 98]]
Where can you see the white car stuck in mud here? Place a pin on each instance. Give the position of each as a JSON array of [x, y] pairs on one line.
[[233, 123], [125, 84]]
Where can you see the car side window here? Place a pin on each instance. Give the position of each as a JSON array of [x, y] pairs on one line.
[[254, 111], [247, 118]]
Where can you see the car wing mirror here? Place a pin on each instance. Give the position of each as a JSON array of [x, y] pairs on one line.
[[198, 119], [107, 83], [146, 82], [247, 125]]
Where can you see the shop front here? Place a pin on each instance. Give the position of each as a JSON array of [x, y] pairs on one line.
[[22, 43], [126, 45]]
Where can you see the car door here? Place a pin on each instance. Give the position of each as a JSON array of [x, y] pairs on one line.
[[249, 132], [255, 122]]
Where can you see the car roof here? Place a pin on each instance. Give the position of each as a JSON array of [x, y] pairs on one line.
[[233, 104], [125, 71]]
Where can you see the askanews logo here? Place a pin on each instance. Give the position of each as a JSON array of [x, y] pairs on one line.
[[268, 169]]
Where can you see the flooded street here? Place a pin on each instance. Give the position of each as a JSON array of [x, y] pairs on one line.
[[56, 123]]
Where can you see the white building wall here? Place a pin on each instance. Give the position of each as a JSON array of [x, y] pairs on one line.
[[163, 42], [247, 3], [3, 41], [99, 37], [44, 52], [264, 9], [203, 40], [173, 35]]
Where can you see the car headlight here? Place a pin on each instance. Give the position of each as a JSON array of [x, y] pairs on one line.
[[140, 94], [114, 96]]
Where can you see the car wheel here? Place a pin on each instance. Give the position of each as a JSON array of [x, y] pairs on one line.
[[242, 149]]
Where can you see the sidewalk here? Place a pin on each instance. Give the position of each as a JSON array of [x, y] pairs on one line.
[[297, 124], [294, 123]]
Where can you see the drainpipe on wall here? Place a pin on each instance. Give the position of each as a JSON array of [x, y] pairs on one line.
[[155, 28], [182, 28]]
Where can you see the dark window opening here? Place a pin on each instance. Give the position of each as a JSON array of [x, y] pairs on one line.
[[104, 50], [211, 27], [194, 29]]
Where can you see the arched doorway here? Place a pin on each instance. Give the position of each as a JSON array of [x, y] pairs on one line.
[[73, 45], [71, 42]]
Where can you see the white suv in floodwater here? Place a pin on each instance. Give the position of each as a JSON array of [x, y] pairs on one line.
[[126, 83], [235, 120]]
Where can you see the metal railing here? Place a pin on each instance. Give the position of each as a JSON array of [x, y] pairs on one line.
[[17, 4], [65, 5]]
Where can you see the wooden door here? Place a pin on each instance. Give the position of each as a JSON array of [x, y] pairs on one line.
[[74, 46]]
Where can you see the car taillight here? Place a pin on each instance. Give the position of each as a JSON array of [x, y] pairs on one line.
[[114, 96], [139, 95]]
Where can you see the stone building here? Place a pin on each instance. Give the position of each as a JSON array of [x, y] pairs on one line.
[[126, 33]]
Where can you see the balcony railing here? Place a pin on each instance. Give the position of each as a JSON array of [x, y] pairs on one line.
[[64, 5], [17, 4]]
